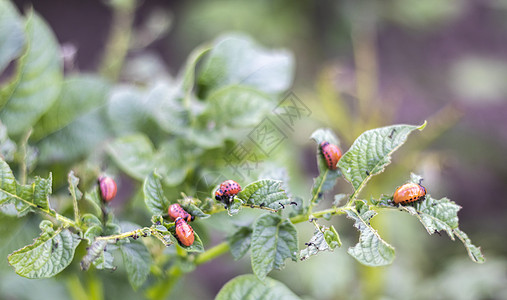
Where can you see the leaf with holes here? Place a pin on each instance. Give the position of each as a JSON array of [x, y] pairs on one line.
[[437, 215], [273, 240], [266, 193], [24, 197], [371, 153], [326, 239], [371, 250], [51, 252]]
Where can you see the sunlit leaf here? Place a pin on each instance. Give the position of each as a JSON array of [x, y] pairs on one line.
[[371, 153], [266, 193]]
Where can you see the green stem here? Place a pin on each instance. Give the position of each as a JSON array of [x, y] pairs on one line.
[[119, 39], [22, 166], [320, 214], [68, 222], [212, 253], [136, 233]]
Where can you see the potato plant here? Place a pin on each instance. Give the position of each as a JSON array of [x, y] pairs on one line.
[[61, 131]]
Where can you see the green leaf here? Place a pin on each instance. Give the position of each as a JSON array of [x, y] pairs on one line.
[[92, 232], [187, 76], [240, 242], [236, 59], [76, 140], [437, 215], [92, 227], [324, 183], [371, 249], [371, 153], [154, 197], [12, 37], [38, 79], [248, 287], [134, 155], [80, 94], [24, 197], [192, 209], [473, 251], [238, 106], [137, 261], [128, 111], [327, 177], [174, 161], [163, 105], [51, 252], [93, 197], [324, 239], [265, 192], [234, 207], [273, 240], [332, 237]]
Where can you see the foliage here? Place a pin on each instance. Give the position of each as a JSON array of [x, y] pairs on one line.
[[166, 136]]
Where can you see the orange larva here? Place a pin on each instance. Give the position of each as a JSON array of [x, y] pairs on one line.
[[175, 211], [408, 193], [184, 232], [331, 153]]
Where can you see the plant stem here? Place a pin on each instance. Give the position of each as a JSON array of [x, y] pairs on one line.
[[119, 39], [137, 232], [320, 214], [68, 222], [22, 165], [212, 253]]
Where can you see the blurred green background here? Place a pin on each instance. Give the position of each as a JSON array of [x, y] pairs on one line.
[[359, 65]]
